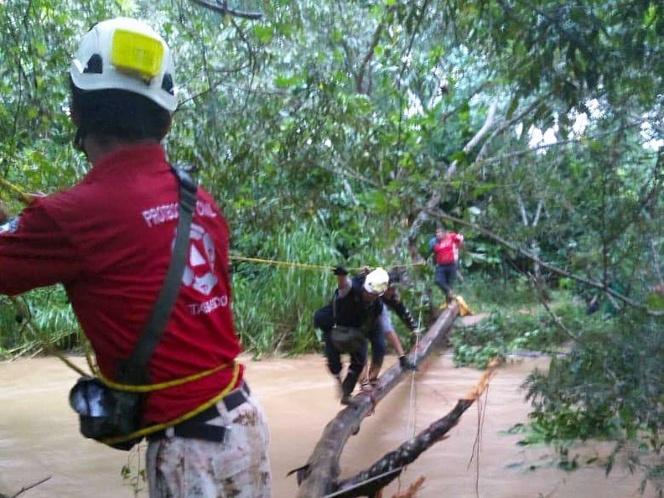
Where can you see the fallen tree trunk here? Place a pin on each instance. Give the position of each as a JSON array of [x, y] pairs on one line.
[[319, 476], [370, 481]]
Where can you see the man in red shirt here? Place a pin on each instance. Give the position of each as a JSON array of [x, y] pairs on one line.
[[445, 247], [109, 240]]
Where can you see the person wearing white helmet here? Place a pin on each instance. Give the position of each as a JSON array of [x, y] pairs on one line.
[[355, 315], [386, 332], [122, 85], [110, 240]]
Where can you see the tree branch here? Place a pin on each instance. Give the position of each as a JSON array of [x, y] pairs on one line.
[[538, 212], [375, 39], [223, 8], [389, 466], [532, 150], [433, 201], [507, 124], [437, 213], [27, 488], [542, 298]]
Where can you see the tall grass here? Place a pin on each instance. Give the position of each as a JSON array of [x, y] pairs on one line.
[[274, 305], [43, 316]]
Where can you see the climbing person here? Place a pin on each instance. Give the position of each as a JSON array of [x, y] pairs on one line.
[[386, 331], [445, 249], [111, 239], [346, 323]]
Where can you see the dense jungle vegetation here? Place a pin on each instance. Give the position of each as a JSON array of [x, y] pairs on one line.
[[337, 132]]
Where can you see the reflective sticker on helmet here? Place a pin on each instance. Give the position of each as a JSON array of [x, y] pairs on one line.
[[137, 53]]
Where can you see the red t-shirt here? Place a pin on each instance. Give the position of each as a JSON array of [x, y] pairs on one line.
[[108, 239], [447, 249]]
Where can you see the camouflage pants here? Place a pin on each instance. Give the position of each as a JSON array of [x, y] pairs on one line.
[[238, 467]]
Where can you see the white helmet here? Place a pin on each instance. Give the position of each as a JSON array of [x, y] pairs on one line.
[[125, 54], [376, 282]]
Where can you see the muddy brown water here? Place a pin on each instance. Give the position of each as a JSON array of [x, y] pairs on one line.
[[39, 434]]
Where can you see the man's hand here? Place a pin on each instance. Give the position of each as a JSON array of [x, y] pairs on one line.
[[407, 364], [339, 271], [365, 271]]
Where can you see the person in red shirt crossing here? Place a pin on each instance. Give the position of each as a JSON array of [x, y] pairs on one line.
[[109, 240], [445, 248]]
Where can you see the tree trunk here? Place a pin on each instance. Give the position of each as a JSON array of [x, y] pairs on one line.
[[319, 476], [370, 481]]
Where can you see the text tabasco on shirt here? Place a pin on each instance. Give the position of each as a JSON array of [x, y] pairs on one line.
[[92, 238]]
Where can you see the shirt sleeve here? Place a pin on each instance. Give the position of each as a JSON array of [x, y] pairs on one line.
[[396, 305], [345, 290], [384, 323], [35, 252]]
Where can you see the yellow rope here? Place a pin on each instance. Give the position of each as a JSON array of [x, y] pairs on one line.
[[146, 431], [281, 263], [305, 266], [146, 388], [23, 197]]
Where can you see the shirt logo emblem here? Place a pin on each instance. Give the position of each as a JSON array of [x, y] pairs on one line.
[[199, 272]]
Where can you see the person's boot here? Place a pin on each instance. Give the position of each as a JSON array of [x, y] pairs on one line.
[[340, 389], [347, 387], [374, 371], [449, 297]]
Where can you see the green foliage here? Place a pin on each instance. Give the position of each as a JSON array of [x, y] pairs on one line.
[[612, 387], [324, 129], [43, 316], [274, 305], [133, 473], [513, 330], [617, 382]]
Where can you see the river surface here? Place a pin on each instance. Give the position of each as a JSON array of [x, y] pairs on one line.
[[39, 436]]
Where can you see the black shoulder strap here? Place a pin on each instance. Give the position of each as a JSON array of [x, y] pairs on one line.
[[134, 370], [334, 306]]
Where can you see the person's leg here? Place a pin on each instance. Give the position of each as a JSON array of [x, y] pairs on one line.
[[450, 275], [441, 280], [236, 467], [357, 361], [377, 339], [445, 275]]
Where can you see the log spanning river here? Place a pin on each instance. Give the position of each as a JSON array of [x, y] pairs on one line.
[[39, 436]]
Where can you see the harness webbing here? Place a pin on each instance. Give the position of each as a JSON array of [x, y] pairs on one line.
[[146, 431]]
